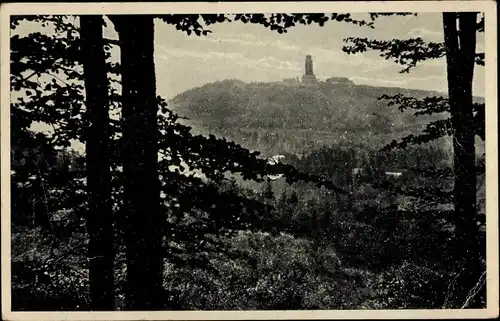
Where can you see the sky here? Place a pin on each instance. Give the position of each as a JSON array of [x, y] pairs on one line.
[[251, 53], [254, 53]]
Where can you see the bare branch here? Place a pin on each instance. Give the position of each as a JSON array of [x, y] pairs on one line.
[[475, 290]]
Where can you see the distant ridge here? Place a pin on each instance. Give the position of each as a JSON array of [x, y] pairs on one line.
[[320, 113]]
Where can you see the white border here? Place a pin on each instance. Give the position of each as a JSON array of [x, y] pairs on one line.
[[488, 7], [247, 7]]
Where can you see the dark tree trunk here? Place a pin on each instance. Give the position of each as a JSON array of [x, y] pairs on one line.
[[143, 233], [460, 42], [100, 217]]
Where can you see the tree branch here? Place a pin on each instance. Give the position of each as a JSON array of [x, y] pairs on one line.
[[475, 290], [114, 42]]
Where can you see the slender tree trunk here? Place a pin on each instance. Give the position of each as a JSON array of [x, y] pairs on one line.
[[143, 232], [460, 42], [100, 218]]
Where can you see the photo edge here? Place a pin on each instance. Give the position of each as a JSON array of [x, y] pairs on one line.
[[7, 10]]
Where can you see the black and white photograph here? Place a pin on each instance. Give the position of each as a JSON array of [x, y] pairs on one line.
[[313, 160]]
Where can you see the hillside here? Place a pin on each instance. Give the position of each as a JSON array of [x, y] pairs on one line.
[[279, 117]]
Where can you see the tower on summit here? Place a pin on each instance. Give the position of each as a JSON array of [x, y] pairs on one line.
[[309, 65], [309, 76]]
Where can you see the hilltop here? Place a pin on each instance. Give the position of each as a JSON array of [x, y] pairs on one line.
[[293, 118]]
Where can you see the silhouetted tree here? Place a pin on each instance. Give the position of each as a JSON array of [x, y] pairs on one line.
[[100, 215], [467, 120], [460, 44], [140, 163]]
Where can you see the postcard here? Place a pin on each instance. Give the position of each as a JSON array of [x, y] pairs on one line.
[[249, 160]]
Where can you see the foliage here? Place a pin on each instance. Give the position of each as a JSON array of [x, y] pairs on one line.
[[466, 121], [279, 22], [406, 52], [328, 258], [410, 286], [281, 264], [47, 89], [338, 246], [436, 129], [49, 270]]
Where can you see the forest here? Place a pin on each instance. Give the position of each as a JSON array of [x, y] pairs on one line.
[[154, 215], [275, 118]]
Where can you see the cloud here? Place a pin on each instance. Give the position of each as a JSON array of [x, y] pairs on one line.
[[426, 34], [205, 55], [246, 39], [364, 61], [433, 82], [432, 66], [326, 61], [238, 58], [254, 51]]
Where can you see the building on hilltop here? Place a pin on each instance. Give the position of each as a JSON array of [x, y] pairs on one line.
[[309, 65], [309, 76], [339, 80]]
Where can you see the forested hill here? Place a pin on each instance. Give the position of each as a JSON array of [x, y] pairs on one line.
[[281, 117]]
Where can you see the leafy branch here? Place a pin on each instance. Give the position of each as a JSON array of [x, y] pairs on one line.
[[406, 52], [436, 129]]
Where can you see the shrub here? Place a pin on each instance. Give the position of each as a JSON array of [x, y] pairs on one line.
[[409, 286], [48, 275]]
